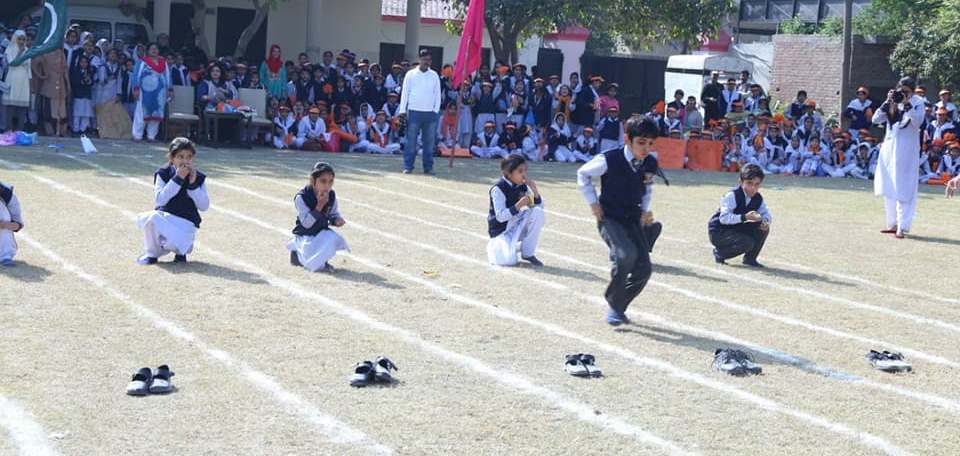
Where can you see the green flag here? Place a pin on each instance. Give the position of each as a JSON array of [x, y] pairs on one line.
[[52, 28]]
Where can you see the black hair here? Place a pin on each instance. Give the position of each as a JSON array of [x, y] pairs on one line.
[[801, 92], [907, 81], [729, 80], [641, 126], [320, 169], [751, 172], [511, 163], [180, 143], [424, 53], [678, 92], [303, 54]]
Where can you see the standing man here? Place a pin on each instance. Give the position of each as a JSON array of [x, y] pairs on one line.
[[621, 210], [710, 98], [898, 168], [420, 101]]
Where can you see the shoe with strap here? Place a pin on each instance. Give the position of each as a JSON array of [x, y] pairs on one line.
[[381, 370]]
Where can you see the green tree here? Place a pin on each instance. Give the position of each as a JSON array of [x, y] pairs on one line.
[[637, 23]]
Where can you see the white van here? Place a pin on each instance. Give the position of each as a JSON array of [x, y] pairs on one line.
[[691, 72], [107, 23]]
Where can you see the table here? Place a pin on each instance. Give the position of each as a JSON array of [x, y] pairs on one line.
[[242, 121]]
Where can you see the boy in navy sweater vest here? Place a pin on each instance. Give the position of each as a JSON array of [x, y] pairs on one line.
[[741, 225], [620, 208], [516, 215], [181, 194]]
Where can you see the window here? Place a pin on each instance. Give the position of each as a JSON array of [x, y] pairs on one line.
[[99, 29], [780, 10], [753, 10], [131, 33], [808, 10], [831, 8]]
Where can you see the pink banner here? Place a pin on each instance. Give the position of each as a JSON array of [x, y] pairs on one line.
[[471, 43]]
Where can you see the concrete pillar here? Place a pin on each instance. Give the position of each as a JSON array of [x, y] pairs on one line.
[[411, 42], [161, 17], [314, 40]]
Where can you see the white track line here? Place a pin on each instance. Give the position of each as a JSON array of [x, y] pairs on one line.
[[335, 430], [581, 411], [27, 435], [796, 361], [868, 342], [837, 275], [842, 429]]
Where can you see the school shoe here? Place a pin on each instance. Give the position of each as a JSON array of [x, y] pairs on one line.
[[408, 171], [7, 262], [328, 268], [179, 258], [888, 362], [363, 374], [146, 260], [753, 263], [532, 259], [381, 370], [429, 172], [140, 383], [615, 318], [900, 234], [581, 365], [295, 259], [161, 380], [717, 258], [735, 362], [891, 230]]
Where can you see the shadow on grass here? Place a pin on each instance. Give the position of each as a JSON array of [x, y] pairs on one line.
[[934, 240], [681, 272], [25, 272], [366, 278], [211, 270], [791, 274]]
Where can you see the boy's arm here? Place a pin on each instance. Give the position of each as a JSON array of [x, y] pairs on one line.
[[15, 216], [585, 174], [764, 212], [727, 204]]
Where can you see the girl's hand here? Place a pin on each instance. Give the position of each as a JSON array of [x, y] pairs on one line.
[[322, 200], [183, 171], [533, 186], [339, 222], [523, 202], [193, 175]]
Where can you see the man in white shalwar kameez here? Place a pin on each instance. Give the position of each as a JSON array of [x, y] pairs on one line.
[[898, 167]]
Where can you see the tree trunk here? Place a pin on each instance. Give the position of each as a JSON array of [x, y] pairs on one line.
[[496, 40], [510, 49], [247, 35], [198, 24]]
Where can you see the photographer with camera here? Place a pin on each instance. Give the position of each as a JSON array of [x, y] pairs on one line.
[[898, 167]]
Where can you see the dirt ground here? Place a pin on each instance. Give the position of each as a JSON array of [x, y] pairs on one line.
[[263, 350]]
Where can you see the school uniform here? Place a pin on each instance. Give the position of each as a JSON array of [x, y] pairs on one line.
[[950, 107], [585, 148], [314, 240], [860, 113], [81, 85], [811, 162], [610, 133], [727, 98], [485, 110], [936, 130], [558, 143], [584, 113], [309, 130], [510, 229], [172, 225], [363, 129], [9, 213], [487, 145], [667, 125], [285, 129], [380, 140], [519, 143], [180, 75], [866, 165], [542, 106], [792, 159], [624, 196], [391, 109], [730, 233], [126, 93], [949, 165], [839, 164]]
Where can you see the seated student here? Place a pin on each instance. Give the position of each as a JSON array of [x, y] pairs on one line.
[[517, 141], [950, 165], [559, 139], [314, 243], [866, 161], [392, 106], [840, 161], [381, 138], [312, 132], [610, 130], [285, 128], [811, 158], [585, 148], [792, 157], [741, 225], [11, 221], [670, 122], [487, 143], [930, 161], [180, 194], [516, 217]]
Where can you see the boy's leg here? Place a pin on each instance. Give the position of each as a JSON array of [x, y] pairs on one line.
[[759, 237], [730, 243], [530, 237], [642, 267], [623, 257]]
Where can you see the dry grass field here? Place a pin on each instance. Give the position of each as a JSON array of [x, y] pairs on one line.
[[263, 350]]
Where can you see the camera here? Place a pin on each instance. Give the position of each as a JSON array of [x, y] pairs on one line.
[[897, 96]]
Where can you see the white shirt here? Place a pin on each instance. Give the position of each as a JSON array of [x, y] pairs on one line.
[[165, 191], [729, 202], [502, 212], [597, 167], [421, 91]]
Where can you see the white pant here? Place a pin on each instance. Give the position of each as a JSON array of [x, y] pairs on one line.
[[926, 177], [564, 154], [152, 126], [315, 251], [389, 149], [164, 233], [524, 229], [361, 146], [488, 152], [298, 142], [80, 124], [838, 171], [810, 166], [900, 213], [8, 244]]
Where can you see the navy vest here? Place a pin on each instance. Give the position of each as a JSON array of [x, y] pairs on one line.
[[621, 188], [181, 205], [513, 194], [609, 129], [742, 208], [323, 222], [6, 193]]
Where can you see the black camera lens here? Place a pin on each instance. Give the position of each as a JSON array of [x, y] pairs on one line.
[[898, 97]]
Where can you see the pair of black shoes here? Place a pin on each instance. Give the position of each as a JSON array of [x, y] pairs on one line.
[[752, 263], [147, 382], [368, 373], [147, 260]]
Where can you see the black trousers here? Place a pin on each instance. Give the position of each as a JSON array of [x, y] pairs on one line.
[[630, 259], [732, 242]]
